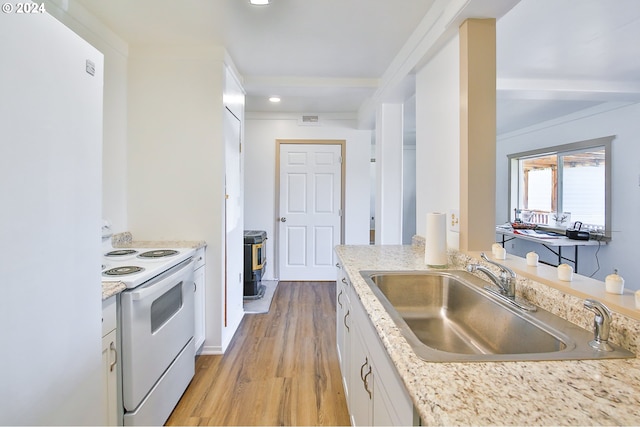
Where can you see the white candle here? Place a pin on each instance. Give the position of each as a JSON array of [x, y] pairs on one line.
[[494, 248], [614, 284], [532, 259], [501, 253], [565, 272]]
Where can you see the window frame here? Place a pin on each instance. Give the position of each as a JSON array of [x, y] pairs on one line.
[[563, 149]]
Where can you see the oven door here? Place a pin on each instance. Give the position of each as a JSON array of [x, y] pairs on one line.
[[157, 322]]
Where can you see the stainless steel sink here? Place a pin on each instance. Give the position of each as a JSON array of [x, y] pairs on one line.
[[447, 316]]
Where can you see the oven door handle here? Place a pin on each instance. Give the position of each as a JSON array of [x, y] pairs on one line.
[[159, 287]]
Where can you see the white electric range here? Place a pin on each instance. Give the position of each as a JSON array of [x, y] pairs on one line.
[[156, 321]]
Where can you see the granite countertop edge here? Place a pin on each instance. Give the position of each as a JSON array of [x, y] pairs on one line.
[[585, 392], [111, 288]]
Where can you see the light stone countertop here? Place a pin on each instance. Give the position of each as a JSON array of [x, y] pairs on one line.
[[110, 288], [589, 392], [125, 240]]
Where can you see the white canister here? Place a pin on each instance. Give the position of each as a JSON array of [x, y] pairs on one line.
[[565, 272], [501, 253], [637, 299], [532, 259], [614, 284]]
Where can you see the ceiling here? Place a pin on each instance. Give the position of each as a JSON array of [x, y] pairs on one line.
[[554, 57], [560, 57]]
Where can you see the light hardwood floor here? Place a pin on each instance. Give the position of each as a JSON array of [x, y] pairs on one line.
[[280, 369]]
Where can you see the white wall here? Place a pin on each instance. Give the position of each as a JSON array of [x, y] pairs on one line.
[[409, 193], [438, 137], [50, 172], [114, 148], [622, 122], [389, 174], [261, 132], [409, 171], [175, 166], [176, 159]]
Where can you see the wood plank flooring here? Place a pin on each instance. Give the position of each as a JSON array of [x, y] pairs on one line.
[[280, 369]]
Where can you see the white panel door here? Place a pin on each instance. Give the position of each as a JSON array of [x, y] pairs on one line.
[[309, 210], [234, 241]]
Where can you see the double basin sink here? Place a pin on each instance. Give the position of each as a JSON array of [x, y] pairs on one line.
[[448, 316]]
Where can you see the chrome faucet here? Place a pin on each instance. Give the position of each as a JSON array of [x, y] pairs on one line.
[[507, 280], [601, 325]]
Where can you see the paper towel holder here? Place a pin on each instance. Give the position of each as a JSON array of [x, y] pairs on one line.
[[436, 240]]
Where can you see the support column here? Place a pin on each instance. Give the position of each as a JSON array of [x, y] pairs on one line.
[[389, 151], [477, 134]]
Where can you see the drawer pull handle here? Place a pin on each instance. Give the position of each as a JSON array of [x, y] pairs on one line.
[[112, 347], [366, 382], [345, 321], [366, 362]]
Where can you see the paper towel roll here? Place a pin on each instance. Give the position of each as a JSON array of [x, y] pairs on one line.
[[435, 250]]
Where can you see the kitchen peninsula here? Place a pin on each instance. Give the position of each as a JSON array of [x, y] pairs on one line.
[[582, 392]]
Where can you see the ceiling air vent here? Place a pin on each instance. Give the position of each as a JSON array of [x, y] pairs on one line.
[[309, 120]]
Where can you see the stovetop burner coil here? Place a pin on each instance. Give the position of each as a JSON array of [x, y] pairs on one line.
[[158, 253], [121, 252], [123, 271]]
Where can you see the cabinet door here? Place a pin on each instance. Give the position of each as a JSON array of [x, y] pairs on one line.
[[343, 335], [342, 306], [392, 405], [361, 377], [378, 396], [382, 412], [199, 300], [110, 379]]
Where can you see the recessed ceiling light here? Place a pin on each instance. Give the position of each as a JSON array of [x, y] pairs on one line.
[[259, 2], [274, 99]]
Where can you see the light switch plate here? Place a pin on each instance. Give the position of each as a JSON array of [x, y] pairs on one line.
[[453, 220]]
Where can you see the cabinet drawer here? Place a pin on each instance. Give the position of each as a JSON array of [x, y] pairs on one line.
[[108, 315], [199, 259]]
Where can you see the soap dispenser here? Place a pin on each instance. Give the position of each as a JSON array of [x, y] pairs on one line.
[[614, 284]]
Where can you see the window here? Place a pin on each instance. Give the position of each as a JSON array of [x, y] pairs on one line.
[[558, 186]]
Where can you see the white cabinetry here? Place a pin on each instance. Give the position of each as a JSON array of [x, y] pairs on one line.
[[199, 298], [109, 363], [375, 393], [343, 336], [361, 379]]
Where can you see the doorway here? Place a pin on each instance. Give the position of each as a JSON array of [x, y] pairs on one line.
[[309, 203]]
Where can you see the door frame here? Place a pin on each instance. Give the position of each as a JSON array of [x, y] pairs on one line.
[[343, 168]]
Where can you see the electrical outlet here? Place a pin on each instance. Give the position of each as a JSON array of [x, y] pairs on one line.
[[453, 220]]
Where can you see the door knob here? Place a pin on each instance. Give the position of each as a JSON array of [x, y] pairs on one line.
[[283, 219]]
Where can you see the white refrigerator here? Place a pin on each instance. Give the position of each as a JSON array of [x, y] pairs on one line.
[[50, 222]]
